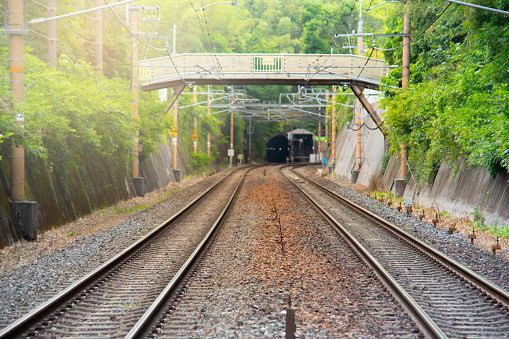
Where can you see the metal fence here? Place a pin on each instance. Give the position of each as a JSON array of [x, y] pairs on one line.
[[267, 63]]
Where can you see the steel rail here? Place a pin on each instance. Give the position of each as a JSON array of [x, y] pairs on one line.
[[423, 320], [58, 301], [145, 324], [495, 291]]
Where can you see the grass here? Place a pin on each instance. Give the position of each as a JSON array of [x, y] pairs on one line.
[[131, 209], [445, 214]]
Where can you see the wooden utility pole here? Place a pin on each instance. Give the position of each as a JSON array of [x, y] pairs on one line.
[[99, 37], [52, 33]]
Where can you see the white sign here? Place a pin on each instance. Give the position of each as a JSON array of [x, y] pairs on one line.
[[231, 152]]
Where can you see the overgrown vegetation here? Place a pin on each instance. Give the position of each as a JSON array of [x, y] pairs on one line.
[[457, 105]]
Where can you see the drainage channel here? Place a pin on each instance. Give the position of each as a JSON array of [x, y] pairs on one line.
[[454, 301]]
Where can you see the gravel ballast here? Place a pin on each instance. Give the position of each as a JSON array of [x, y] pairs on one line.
[[24, 288], [342, 312], [480, 261]]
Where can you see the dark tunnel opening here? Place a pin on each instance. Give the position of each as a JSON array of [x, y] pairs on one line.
[[278, 149]]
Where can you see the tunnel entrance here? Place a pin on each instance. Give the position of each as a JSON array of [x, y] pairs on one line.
[[278, 149]]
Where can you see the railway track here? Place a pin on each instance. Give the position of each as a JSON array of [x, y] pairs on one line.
[[126, 295], [446, 299]]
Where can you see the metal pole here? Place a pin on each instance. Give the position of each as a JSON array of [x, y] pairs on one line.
[[404, 81], [249, 133], [195, 124], [41, 20], [327, 121], [479, 7], [174, 39], [208, 113], [360, 47], [358, 111], [99, 38], [319, 141], [16, 64], [231, 130], [52, 33], [134, 88], [174, 137], [333, 139]]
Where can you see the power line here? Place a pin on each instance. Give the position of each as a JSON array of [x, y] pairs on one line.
[[215, 61], [148, 45], [31, 30], [40, 4]]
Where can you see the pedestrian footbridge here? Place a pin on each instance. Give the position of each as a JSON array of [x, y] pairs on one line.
[[261, 69]]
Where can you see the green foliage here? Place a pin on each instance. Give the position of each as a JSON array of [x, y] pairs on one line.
[[199, 163], [383, 166], [499, 231], [479, 219], [458, 101]]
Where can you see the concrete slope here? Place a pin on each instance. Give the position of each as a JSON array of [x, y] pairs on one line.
[[457, 193]]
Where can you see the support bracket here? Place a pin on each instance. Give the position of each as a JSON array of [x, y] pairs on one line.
[[358, 91], [175, 93]]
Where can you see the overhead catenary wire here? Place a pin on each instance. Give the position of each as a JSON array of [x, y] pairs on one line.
[[77, 10], [215, 61], [146, 44]]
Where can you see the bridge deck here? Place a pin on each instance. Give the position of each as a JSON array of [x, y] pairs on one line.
[[294, 69]]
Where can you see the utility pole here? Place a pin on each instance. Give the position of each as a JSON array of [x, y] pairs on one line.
[[24, 212], [52, 33], [333, 139], [208, 113], [404, 81], [99, 37], [250, 133], [174, 137], [319, 141], [139, 182], [195, 124], [327, 122], [400, 184], [231, 152], [358, 106]]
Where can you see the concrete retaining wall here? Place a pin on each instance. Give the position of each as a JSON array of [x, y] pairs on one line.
[[457, 194], [372, 152], [95, 183]]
